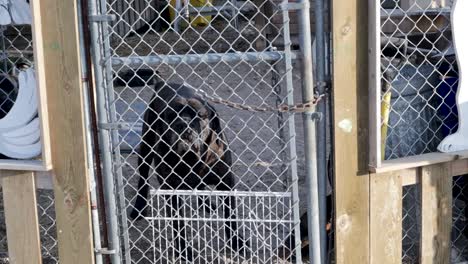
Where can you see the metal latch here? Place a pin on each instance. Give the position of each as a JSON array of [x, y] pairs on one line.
[[315, 116], [285, 6], [105, 251], [102, 18], [112, 126]]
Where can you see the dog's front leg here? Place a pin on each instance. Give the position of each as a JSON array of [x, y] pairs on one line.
[[146, 155]]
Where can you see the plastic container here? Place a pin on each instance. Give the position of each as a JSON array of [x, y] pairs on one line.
[[196, 20]]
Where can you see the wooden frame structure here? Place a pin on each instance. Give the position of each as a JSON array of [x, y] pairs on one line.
[[45, 161], [365, 200], [376, 163], [56, 50], [369, 199]]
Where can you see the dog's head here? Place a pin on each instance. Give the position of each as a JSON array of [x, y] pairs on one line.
[[193, 126]]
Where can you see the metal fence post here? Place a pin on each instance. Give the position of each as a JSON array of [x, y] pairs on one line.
[[89, 153], [309, 119], [105, 138], [321, 124]]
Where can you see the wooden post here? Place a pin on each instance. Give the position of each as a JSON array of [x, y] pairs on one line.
[[19, 195], [350, 100], [55, 23], [385, 218], [436, 212]]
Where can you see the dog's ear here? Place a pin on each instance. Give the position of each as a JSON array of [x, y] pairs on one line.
[[215, 142]]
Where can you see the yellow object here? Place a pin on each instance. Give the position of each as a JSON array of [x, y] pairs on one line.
[[196, 20], [384, 115], [201, 21]]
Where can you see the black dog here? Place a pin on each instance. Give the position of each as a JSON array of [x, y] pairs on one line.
[[182, 135]]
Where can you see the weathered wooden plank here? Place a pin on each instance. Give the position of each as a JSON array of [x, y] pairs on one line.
[[19, 197], [436, 212], [43, 180], [385, 218], [351, 130], [419, 161], [412, 176], [62, 71], [375, 96], [39, 58]]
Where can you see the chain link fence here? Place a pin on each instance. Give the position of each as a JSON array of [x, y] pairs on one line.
[[412, 223], [47, 228], [16, 49], [419, 82], [419, 76], [200, 113]]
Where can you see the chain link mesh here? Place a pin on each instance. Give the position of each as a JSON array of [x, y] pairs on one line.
[[47, 230], [459, 252], [16, 48], [419, 83], [419, 76], [229, 59], [412, 223]]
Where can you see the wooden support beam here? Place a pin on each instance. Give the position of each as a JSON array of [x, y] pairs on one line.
[[19, 197], [385, 218], [350, 137], [436, 211], [56, 23]]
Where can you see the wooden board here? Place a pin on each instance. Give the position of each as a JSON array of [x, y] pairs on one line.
[[350, 132], [62, 77], [374, 84], [385, 218], [45, 161], [43, 180], [412, 176], [419, 161], [19, 198], [22, 165], [39, 60], [436, 211]]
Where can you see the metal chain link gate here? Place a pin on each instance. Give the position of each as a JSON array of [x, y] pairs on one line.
[[158, 63]]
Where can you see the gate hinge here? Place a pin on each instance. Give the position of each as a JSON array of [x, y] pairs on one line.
[[285, 6], [102, 18], [114, 126], [315, 116], [105, 251], [323, 84]]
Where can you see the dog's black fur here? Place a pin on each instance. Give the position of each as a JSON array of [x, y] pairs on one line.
[[183, 137]]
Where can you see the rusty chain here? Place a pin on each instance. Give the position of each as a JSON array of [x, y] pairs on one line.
[[283, 108]]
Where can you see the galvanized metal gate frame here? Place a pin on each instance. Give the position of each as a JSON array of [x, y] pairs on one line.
[[104, 61]]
